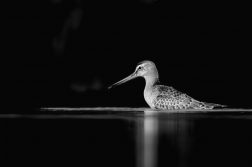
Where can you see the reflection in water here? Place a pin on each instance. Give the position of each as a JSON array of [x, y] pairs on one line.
[[149, 141], [104, 136], [156, 126]]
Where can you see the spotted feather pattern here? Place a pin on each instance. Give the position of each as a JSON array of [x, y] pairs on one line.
[[169, 98]]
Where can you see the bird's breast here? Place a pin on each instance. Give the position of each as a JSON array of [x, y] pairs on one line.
[[149, 97]]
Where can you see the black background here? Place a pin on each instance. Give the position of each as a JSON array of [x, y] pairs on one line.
[[199, 48]]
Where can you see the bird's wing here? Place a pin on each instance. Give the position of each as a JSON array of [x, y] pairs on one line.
[[168, 91], [170, 98]]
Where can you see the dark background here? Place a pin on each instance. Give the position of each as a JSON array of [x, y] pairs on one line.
[[66, 53]]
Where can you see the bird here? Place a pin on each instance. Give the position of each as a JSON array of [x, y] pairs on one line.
[[160, 96]]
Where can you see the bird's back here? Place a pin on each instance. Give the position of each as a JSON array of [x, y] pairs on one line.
[[166, 97]]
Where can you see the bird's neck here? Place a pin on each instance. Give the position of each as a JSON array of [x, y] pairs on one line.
[[151, 79]]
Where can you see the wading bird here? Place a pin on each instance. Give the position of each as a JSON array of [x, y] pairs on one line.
[[161, 96]]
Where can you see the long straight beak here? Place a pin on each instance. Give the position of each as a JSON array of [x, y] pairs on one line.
[[132, 76]]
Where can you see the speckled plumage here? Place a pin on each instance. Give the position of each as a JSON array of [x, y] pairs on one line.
[[160, 96], [170, 98]]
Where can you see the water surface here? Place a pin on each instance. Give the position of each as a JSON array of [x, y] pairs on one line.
[[126, 137]]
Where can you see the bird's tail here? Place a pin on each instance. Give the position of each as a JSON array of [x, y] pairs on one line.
[[213, 105], [203, 105]]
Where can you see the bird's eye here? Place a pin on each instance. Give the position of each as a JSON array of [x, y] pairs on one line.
[[140, 68]]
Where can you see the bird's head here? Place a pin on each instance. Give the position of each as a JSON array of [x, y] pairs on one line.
[[144, 69]]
